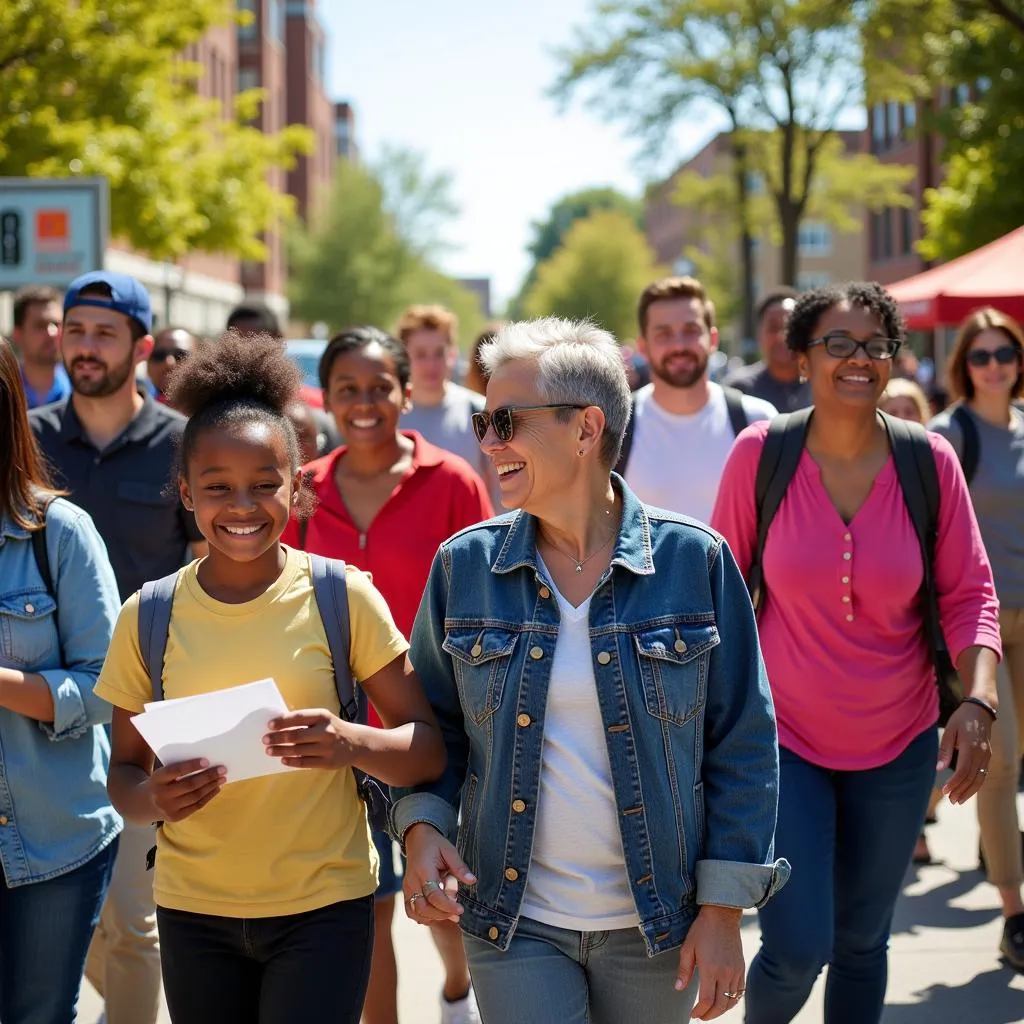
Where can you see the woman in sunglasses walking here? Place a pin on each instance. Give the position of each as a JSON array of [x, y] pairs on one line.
[[987, 431], [841, 621], [594, 665]]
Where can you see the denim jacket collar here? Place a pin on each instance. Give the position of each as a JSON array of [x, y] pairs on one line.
[[632, 548], [10, 528]]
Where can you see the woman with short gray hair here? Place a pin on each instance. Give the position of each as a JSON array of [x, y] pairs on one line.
[[612, 756]]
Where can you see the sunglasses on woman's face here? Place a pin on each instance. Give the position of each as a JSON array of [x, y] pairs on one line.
[[161, 355], [503, 419], [843, 346], [1005, 355]]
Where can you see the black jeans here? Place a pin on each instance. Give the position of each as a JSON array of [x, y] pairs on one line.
[[267, 970]]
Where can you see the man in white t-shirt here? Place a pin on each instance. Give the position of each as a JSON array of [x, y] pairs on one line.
[[683, 424]]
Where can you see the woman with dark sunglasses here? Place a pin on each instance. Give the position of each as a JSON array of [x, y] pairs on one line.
[[612, 756], [987, 430], [842, 630]]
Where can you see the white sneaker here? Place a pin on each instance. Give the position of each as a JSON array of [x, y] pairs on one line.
[[462, 1011]]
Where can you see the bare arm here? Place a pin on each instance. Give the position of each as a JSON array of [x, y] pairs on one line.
[[26, 693]]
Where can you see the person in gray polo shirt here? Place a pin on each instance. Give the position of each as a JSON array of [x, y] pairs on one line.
[[112, 447]]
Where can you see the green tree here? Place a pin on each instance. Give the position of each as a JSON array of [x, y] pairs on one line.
[[598, 272], [548, 234], [98, 87], [353, 266], [787, 69]]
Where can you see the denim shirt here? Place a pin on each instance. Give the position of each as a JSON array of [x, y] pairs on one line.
[[54, 810], [690, 727]]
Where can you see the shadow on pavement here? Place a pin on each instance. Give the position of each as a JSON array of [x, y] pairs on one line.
[[932, 909], [985, 999]]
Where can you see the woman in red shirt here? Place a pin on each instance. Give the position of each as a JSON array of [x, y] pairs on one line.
[[385, 502], [842, 632]]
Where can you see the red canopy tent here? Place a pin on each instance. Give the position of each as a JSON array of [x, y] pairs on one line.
[[990, 276]]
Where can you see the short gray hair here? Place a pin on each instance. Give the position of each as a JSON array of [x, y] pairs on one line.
[[577, 363]]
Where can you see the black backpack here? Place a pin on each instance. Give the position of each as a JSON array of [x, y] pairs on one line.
[[737, 419], [919, 481], [970, 451]]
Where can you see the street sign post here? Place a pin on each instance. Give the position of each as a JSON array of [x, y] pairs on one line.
[[51, 229]]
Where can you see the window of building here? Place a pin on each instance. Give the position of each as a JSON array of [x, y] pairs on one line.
[[248, 78], [275, 18], [808, 280], [892, 122], [886, 245], [961, 94], [878, 140], [755, 183], [251, 29], [814, 239], [909, 115], [906, 230]]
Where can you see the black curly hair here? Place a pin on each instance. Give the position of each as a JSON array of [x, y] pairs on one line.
[[812, 306], [237, 380]]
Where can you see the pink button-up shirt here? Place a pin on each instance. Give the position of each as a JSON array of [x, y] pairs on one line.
[[841, 628]]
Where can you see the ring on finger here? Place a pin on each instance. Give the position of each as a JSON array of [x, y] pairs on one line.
[[411, 901], [734, 995], [429, 887]]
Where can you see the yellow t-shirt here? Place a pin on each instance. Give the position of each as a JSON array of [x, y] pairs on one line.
[[282, 844]]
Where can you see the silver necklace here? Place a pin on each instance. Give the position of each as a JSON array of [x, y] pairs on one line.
[[579, 564]]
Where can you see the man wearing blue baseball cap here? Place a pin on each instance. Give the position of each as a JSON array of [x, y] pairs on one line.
[[113, 447]]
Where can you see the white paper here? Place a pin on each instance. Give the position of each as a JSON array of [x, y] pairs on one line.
[[226, 727]]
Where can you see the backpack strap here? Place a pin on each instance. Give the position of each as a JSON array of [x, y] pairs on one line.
[[156, 599], [971, 442], [627, 439], [734, 406], [331, 593], [42, 557], [780, 456]]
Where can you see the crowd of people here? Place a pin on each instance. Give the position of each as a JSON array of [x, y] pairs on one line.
[[697, 663]]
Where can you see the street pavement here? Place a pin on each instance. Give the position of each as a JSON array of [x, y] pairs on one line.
[[943, 967]]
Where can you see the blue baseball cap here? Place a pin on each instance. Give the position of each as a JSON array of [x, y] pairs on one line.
[[127, 295]]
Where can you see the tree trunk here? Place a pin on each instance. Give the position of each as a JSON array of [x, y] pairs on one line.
[[789, 221], [746, 240]]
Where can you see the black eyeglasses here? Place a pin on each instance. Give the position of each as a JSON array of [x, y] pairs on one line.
[[161, 355], [503, 419], [1005, 355], [843, 346]]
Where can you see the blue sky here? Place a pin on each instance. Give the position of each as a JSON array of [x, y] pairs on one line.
[[464, 81]]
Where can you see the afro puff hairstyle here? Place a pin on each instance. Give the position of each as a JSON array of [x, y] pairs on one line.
[[237, 380], [813, 305]]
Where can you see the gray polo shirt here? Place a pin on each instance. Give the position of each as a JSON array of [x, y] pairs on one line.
[[756, 381], [124, 487], [997, 493]]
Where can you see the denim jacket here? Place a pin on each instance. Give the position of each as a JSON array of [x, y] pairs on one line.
[[54, 810], [684, 698]]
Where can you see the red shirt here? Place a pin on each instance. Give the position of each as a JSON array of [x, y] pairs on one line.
[[441, 495]]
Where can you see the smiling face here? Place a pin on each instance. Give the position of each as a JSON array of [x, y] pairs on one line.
[[540, 461], [432, 357], [98, 350], [857, 381], [241, 486], [365, 396], [677, 341], [995, 379]]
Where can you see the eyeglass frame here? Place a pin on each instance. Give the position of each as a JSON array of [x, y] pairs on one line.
[[858, 344], [487, 418]]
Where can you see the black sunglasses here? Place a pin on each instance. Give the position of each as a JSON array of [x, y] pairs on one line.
[[503, 419], [161, 355], [843, 346], [1005, 355]]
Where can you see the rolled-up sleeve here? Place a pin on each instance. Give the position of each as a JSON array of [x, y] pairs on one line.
[[740, 765], [435, 802], [87, 608]]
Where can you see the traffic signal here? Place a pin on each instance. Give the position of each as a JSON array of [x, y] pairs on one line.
[[10, 238]]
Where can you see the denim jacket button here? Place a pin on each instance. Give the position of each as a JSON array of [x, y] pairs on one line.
[[603, 658], [30, 608], [544, 592], [3, 819], [680, 646], [492, 933], [536, 653], [476, 650], [519, 806], [523, 721], [511, 874]]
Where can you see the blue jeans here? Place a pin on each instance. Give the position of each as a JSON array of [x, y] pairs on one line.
[[45, 928], [312, 966], [550, 974], [849, 837]]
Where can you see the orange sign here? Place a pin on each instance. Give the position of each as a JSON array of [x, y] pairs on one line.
[[52, 230]]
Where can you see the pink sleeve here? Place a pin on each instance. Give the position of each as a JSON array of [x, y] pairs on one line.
[[968, 608], [735, 512]]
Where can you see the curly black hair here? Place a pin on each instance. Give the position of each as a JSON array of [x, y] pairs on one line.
[[812, 306], [236, 380]]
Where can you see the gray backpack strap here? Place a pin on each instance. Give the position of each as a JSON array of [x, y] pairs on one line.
[[734, 406], [331, 593], [156, 599], [970, 443]]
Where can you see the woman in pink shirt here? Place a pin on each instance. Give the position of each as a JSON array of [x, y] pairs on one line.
[[842, 631]]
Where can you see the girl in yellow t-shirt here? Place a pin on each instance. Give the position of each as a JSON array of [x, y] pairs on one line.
[[263, 887]]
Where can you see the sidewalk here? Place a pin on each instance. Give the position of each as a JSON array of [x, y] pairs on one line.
[[943, 965]]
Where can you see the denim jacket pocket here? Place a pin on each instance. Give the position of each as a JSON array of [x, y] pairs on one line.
[[481, 658], [28, 627], [674, 668]]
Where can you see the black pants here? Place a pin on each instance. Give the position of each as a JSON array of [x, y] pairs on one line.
[[267, 970]]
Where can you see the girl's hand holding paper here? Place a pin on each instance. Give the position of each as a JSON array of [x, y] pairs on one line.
[[310, 739]]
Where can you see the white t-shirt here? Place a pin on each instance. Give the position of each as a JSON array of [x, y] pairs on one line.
[[676, 462], [577, 877]]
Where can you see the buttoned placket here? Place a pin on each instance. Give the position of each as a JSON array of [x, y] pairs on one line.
[[846, 596]]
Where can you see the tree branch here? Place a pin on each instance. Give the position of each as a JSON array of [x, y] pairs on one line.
[[1003, 10], [20, 56]]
